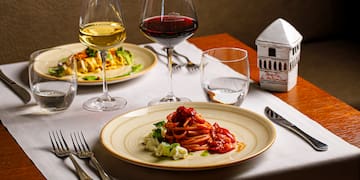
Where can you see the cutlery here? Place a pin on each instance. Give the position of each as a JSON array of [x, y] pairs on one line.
[[83, 151], [190, 66], [61, 150], [19, 91], [276, 118], [174, 65]]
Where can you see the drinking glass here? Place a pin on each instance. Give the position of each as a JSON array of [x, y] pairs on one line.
[[52, 78], [168, 22], [101, 28], [225, 75]]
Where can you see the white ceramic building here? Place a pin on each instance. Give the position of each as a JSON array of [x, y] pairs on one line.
[[278, 54]]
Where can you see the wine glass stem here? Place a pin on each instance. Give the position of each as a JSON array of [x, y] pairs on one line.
[[169, 52], [105, 95]]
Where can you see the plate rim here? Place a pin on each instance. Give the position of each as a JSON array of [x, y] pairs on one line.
[[270, 126], [110, 80]]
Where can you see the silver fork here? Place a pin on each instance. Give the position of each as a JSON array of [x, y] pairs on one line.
[[192, 67], [61, 149], [83, 151], [174, 65]]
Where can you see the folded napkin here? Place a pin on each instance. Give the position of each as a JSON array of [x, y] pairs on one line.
[[29, 126]]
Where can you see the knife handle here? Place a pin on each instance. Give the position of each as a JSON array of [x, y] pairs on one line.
[[5, 78], [17, 89], [316, 144]]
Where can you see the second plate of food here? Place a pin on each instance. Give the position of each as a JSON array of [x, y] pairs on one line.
[[124, 135], [143, 61]]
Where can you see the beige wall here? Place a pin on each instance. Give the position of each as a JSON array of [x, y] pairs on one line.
[[28, 25]]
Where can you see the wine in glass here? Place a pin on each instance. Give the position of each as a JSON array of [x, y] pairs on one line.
[[168, 22], [102, 28]]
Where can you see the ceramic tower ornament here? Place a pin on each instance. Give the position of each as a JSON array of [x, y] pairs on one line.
[[278, 54]]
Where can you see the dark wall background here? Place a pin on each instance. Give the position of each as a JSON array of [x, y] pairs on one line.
[[28, 25]]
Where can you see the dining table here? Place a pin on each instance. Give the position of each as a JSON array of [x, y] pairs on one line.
[[329, 117]]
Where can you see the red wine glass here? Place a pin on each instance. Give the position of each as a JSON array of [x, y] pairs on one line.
[[168, 23]]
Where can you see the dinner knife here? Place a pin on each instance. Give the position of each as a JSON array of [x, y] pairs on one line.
[[19, 91], [276, 118]]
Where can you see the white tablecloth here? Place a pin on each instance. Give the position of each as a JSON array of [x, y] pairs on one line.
[[29, 126]]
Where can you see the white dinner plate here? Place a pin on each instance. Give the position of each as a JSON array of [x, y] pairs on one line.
[[123, 136], [141, 56]]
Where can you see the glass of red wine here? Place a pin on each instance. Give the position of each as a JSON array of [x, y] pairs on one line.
[[168, 23]]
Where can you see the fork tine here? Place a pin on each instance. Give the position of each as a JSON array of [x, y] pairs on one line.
[[52, 142], [58, 143], [79, 142], [62, 137], [84, 140], [62, 140], [194, 68], [72, 135], [177, 68]]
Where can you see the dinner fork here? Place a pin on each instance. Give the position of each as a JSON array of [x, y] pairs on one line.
[[174, 65], [61, 150], [83, 151], [192, 67]]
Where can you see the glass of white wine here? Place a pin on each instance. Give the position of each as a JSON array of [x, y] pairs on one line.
[[102, 28]]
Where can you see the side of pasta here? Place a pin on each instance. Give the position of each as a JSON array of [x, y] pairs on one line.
[[187, 131], [88, 62]]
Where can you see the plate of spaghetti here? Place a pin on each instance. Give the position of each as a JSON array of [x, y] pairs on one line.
[[122, 63], [196, 136]]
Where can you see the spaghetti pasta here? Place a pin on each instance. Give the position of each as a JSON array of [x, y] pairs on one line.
[[188, 128]]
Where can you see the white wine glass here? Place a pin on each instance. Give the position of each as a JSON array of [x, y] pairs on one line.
[[101, 28], [168, 23]]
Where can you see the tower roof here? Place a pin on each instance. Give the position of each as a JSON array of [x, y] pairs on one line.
[[281, 33]]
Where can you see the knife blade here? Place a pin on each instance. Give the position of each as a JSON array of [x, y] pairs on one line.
[[277, 119], [17, 89]]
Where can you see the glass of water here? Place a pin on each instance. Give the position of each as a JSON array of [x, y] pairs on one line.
[[52, 78], [225, 75]]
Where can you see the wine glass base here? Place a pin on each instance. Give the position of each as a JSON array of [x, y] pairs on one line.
[[101, 104], [168, 99]]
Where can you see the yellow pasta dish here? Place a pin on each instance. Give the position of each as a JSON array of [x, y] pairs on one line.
[[89, 63]]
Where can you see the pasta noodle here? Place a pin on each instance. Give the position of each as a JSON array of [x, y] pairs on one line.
[[188, 128], [88, 60]]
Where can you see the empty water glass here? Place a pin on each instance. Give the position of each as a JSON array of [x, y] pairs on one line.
[[225, 75], [52, 78]]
